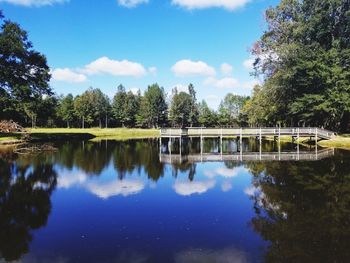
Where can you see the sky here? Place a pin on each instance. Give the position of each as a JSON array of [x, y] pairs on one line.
[[104, 43]]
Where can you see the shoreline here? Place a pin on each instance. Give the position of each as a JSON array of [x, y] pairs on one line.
[[96, 134]]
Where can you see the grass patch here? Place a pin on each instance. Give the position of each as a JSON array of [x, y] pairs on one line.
[[9, 137], [92, 133], [338, 142]]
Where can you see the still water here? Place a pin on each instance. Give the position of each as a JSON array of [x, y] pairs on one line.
[[139, 201]]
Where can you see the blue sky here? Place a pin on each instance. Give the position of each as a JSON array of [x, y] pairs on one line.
[[139, 42]]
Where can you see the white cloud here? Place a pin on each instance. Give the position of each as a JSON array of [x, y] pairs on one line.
[[187, 67], [152, 70], [67, 75], [124, 187], [224, 83], [226, 186], [33, 2], [115, 67], [134, 91], [201, 4], [226, 69], [249, 63], [194, 187], [181, 88], [250, 84], [131, 3]]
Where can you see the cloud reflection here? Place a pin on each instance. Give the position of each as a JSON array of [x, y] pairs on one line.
[[227, 255], [224, 172], [226, 186], [193, 187], [124, 187], [99, 187]]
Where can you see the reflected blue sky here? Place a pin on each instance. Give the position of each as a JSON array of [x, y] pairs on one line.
[[138, 220], [117, 202]]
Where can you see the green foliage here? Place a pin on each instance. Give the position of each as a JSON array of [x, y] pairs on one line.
[[66, 109], [24, 73], [180, 109], [207, 117], [304, 57], [153, 108], [230, 109], [118, 105]]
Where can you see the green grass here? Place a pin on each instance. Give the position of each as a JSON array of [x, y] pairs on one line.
[[342, 141], [93, 133], [9, 137]]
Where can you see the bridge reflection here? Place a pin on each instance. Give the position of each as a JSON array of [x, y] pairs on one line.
[[180, 150]]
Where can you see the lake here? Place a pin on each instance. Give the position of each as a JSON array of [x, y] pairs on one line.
[[141, 201]]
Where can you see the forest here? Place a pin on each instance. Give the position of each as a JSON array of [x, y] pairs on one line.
[[303, 58]]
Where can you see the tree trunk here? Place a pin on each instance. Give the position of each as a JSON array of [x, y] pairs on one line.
[[100, 123], [68, 124], [83, 123], [106, 121]]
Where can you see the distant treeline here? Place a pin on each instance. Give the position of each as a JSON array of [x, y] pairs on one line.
[[154, 108]]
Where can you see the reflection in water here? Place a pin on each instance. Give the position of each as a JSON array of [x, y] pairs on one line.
[[227, 255], [24, 204], [150, 211], [303, 209]]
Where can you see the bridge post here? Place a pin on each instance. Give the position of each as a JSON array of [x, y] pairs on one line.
[[279, 135], [260, 136], [180, 146], [221, 142], [160, 145], [240, 144]]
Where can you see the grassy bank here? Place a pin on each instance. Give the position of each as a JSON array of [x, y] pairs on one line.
[[93, 133], [338, 142], [10, 138], [51, 134]]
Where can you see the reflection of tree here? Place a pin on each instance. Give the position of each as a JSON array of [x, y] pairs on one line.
[[184, 167], [24, 205], [303, 209], [137, 154], [91, 157]]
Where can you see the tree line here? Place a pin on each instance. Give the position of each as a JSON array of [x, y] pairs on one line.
[[152, 109]]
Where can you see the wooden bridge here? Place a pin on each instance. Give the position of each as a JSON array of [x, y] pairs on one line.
[[295, 132]]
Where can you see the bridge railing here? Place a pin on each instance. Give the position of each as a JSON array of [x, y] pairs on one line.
[[292, 131]]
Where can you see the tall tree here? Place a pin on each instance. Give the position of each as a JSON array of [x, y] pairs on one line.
[[230, 109], [180, 108], [24, 73], [118, 105], [66, 109], [194, 113], [153, 108], [207, 117], [131, 109], [101, 102], [84, 107]]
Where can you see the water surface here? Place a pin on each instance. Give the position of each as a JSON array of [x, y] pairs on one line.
[[129, 201]]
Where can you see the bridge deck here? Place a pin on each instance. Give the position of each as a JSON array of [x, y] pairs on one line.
[[247, 132]]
